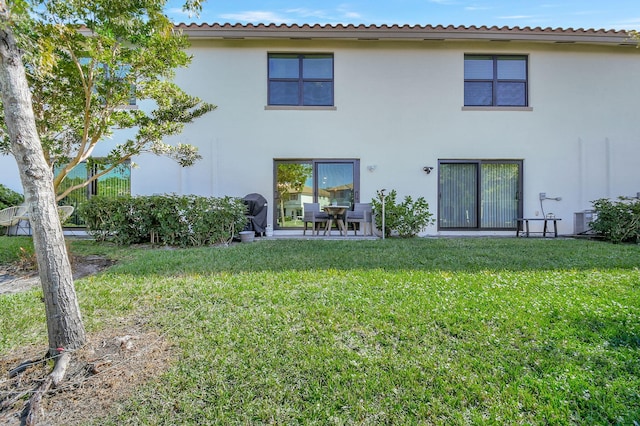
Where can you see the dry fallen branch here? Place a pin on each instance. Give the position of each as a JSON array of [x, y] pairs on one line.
[[12, 399], [26, 364], [107, 369], [98, 366]]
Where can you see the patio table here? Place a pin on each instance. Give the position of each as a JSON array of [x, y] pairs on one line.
[[336, 213]]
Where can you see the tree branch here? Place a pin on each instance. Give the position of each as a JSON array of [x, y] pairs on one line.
[[93, 178]]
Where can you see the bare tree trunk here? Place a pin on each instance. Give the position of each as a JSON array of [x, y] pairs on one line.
[[64, 322]]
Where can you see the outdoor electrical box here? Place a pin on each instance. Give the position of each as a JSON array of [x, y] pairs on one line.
[[582, 222]]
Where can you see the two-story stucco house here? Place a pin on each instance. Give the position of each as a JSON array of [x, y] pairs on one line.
[[479, 121]]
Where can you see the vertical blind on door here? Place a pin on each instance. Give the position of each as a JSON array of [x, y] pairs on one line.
[[479, 194]]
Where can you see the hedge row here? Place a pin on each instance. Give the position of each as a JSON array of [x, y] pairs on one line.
[[165, 219], [617, 221]]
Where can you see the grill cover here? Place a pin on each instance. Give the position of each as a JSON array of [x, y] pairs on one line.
[[256, 212]]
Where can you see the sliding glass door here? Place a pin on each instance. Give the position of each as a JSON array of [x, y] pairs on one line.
[[335, 183], [312, 181], [479, 194]]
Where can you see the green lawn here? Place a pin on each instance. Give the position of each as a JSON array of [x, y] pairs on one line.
[[423, 331]]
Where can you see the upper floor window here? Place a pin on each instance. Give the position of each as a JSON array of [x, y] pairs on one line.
[[302, 80], [107, 78], [120, 75], [495, 80]]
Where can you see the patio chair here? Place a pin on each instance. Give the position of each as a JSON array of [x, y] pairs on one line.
[[362, 215], [11, 216], [313, 215]]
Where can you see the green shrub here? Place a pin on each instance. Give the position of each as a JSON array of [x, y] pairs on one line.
[[407, 218], [166, 219], [617, 221], [9, 197]]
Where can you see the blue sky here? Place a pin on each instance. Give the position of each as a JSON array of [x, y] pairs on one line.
[[597, 14]]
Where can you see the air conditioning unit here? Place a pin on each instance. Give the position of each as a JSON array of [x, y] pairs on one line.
[[582, 222]]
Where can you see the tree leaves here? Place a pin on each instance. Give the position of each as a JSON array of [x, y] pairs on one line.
[[91, 65]]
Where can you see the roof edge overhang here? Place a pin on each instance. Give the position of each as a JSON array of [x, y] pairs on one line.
[[405, 33]]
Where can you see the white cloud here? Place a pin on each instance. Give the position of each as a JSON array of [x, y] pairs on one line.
[[177, 12], [294, 15], [307, 13], [257, 16], [352, 15], [288, 16], [341, 13], [345, 11]]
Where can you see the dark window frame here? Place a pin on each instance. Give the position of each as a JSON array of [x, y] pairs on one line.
[[119, 74], [495, 81], [314, 163], [300, 79], [478, 191]]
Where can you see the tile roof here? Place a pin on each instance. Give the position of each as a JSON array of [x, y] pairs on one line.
[[406, 32]]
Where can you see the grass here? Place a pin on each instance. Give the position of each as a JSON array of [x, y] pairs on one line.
[[12, 249], [423, 331]]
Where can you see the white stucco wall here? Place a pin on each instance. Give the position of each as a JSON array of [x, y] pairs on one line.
[[399, 107], [9, 175]]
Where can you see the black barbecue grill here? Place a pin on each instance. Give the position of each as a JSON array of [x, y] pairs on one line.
[[256, 213]]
